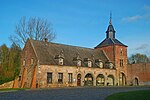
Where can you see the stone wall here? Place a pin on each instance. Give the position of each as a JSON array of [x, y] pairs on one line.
[[27, 67], [43, 69], [7, 85], [138, 74]]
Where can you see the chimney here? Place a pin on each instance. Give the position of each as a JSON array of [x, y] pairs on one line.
[[46, 39]]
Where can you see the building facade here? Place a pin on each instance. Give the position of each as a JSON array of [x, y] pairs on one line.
[[45, 64]]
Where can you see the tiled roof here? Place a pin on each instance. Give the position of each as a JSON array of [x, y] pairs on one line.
[[110, 41], [46, 52]]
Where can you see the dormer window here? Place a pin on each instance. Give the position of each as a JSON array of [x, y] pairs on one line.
[[109, 65], [79, 63], [99, 63], [77, 60], [60, 58], [88, 62]]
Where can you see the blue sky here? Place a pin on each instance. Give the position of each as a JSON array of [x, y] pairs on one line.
[[83, 22]]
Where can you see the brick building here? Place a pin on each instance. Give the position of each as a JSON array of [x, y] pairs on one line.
[[46, 64]]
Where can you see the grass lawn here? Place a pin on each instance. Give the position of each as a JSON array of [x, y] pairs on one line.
[[11, 89], [132, 95]]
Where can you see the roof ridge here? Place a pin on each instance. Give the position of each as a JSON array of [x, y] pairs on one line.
[[63, 44]]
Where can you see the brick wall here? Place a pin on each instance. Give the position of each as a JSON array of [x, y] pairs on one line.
[[140, 71], [114, 54]]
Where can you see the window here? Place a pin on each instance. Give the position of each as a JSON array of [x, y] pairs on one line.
[[101, 64], [32, 61], [69, 77], [24, 62], [89, 63], [61, 61], [121, 52], [60, 78], [79, 63], [49, 78], [121, 62]]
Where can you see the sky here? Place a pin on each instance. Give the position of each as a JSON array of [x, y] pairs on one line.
[[83, 22]]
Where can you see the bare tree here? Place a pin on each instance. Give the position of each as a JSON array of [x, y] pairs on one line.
[[34, 28], [138, 58]]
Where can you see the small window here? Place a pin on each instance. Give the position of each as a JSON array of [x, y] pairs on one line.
[[79, 63], [32, 61], [101, 64], [121, 52], [24, 62], [69, 77], [49, 78], [121, 62], [60, 78], [89, 63], [61, 61]]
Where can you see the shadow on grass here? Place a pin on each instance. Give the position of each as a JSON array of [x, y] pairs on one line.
[[131, 95]]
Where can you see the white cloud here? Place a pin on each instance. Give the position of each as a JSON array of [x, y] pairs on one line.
[[136, 18], [132, 18], [145, 16]]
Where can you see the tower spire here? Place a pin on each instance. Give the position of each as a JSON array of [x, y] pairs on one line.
[[110, 33], [110, 22]]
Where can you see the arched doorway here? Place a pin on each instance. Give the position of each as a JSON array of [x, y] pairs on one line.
[[110, 80], [79, 80], [136, 81], [88, 80], [122, 79], [100, 80]]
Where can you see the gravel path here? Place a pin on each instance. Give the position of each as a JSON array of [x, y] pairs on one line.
[[76, 93]]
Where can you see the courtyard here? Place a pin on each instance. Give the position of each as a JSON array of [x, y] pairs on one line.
[[71, 93]]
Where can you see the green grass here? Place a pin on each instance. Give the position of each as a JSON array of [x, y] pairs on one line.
[[132, 95], [11, 89]]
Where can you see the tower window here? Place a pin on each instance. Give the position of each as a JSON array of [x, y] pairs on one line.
[[121, 62], [121, 52]]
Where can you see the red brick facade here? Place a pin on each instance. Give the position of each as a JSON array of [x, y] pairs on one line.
[[116, 53], [138, 74]]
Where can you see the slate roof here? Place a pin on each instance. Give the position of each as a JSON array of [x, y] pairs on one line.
[[46, 52], [110, 41]]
